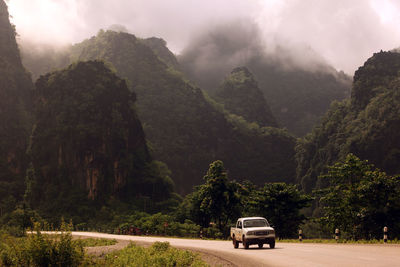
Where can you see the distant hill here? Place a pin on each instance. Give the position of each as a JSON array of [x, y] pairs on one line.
[[299, 89], [186, 129], [367, 125], [87, 142], [15, 106], [240, 95]]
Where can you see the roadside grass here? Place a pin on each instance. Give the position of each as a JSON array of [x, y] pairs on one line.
[[159, 254], [41, 250], [340, 241], [96, 242]]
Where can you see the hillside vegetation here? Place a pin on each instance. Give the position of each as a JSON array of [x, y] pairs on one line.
[[87, 140], [185, 128], [367, 125], [240, 95], [15, 106]]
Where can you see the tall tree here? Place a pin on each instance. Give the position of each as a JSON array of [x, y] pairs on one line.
[[217, 199], [360, 200], [281, 204]]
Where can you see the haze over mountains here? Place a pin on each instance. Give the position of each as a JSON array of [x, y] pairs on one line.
[[299, 89], [344, 33]]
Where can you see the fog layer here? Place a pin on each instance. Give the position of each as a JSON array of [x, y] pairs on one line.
[[343, 32]]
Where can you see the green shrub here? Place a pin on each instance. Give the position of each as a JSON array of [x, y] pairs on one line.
[[159, 254], [41, 250]]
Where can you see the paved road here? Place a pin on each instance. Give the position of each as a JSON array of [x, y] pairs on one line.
[[284, 254]]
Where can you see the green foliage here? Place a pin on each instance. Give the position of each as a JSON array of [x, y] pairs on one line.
[[281, 204], [378, 71], [185, 130], [156, 224], [222, 202], [159, 254], [159, 47], [96, 242], [88, 143], [41, 250], [360, 200], [17, 221], [15, 89], [240, 95], [216, 200], [368, 125]]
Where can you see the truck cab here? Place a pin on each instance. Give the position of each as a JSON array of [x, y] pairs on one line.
[[252, 230]]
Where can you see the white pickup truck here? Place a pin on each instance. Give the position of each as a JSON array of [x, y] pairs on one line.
[[252, 230]]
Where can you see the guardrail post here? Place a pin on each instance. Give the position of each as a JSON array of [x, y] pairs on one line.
[[337, 232], [300, 235], [385, 231]]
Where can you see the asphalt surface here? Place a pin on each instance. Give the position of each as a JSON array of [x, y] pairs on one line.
[[284, 254]]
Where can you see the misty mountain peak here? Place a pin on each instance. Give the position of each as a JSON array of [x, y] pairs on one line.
[[159, 47], [244, 71], [240, 95], [8, 45], [377, 71]]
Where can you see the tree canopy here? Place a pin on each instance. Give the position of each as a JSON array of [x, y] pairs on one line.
[[360, 200]]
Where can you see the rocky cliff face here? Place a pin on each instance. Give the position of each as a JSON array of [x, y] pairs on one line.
[[87, 135], [15, 89]]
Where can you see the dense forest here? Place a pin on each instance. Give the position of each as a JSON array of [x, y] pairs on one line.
[[366, 125], [112, 133], [87, 141], [240, 95], [185, 127]]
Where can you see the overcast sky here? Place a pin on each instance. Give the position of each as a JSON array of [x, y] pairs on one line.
[[344, 32]]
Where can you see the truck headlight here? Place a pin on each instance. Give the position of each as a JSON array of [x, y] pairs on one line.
[[250, 232]]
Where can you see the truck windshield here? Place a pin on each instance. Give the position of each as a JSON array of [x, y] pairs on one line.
[[255, 223]]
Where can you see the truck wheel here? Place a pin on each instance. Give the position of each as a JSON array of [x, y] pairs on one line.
[[235, 243], [245, 244], [272, 244], [260, 245]]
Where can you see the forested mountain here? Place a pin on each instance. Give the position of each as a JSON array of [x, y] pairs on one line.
[[15, 90], [185, 129], [87, 142], [368, 125], [159, 47], [298, 90], [240, 95]]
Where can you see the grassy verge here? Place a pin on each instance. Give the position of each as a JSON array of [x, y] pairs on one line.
[[341, 241], [96, 242], [159, 254]]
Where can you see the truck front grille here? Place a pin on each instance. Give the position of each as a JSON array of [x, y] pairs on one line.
[[262, 233]]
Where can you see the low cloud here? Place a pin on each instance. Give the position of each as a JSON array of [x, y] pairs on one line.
[[345, 33]]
